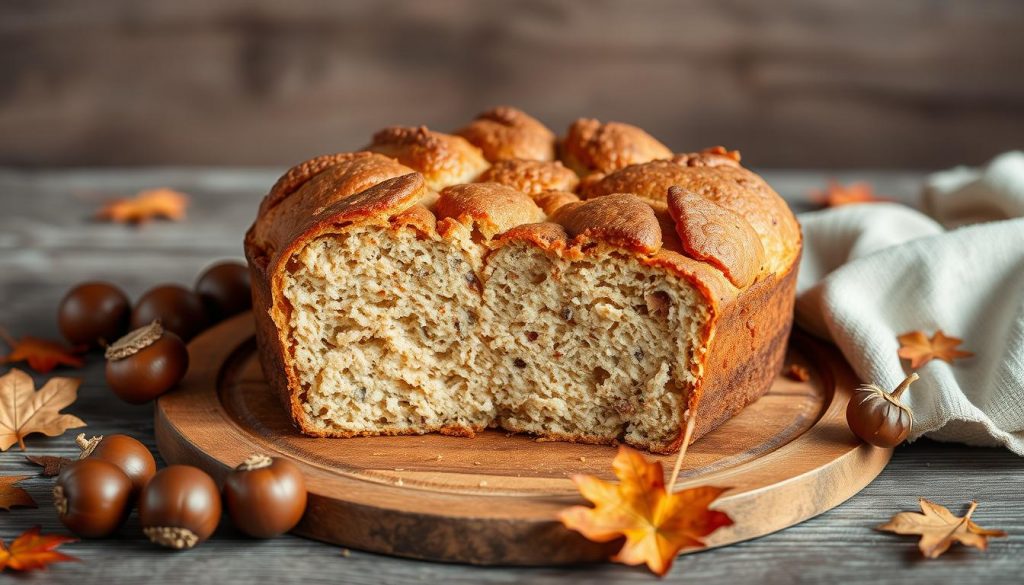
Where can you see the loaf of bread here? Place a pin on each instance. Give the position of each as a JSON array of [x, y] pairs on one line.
[[601, 288]]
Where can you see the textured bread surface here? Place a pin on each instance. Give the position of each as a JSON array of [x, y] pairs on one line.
[[454, 282]]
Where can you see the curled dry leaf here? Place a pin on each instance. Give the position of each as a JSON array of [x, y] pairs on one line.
[[836, 194], [12, 496], [919, 349], [51, 464], [24, 411], [655, 523], [147, 205], [939, 528], [32, 551], [42, 355]]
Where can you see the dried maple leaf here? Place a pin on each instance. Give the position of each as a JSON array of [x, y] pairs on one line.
[[11, 495], [51, 465], [24, 411], [939, 528], [916, 347], [656, 524], [836, 194], [32, 551], [146, 205], [42, 355]]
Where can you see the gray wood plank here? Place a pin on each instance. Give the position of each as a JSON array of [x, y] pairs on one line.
[[916, 83], [47, 244]]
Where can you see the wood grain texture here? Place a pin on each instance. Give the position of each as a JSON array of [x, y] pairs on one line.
[[795, 83], [43, 251], [493, 499]]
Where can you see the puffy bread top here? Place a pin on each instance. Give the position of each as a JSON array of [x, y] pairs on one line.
[[701, 215], [592, 146], [505, 132], [531, 176], [442, 159]]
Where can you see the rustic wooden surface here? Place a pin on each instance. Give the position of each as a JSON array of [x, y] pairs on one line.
[[48, 243], [493, 500], [809, 83]]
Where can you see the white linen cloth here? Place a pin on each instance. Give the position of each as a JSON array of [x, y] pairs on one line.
[[871, 272]]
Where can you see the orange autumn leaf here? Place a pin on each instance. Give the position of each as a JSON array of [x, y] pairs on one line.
[[655, 523], [837, 194], [32, 551], [919, 349], [146, 205], [42, 355], [24, 411], [939, 528], [11, 495]]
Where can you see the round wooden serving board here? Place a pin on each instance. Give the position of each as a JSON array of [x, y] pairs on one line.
[[493, 499]]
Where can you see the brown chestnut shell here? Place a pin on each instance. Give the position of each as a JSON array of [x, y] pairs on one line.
[[146, 368], [178, 309], [92, 313], [265, 496], [127, 453], [225, 290], [878, 417], [180, 507], [92, 497]]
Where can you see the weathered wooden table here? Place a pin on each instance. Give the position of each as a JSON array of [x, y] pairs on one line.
[[48, 242]]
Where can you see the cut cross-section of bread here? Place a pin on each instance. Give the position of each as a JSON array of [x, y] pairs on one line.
[[392, 296]]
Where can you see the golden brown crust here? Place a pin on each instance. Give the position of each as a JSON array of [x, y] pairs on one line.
[[297, 176], [620, 220], [649, 181], [591, 146], [704, 233], [548, 236], [314, 185], [531, 176], [491, 207], [551, 201], [417, 217], [748, 350], [716, 156], [443, 159], [750, 197], [717, 236], [505, 133], [732, 187]]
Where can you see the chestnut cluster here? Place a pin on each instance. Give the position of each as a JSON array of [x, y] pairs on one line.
[[179, 506], [94, 314], [151, 358]]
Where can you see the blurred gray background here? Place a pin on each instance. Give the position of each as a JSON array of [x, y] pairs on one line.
[[823, 84]]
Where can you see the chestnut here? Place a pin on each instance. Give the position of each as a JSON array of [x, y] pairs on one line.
[[128, 454], [265, 496], [225, 290], [879, 418], [146, 363], [93, 313], [177, 308], [179, 507], [92, 497]]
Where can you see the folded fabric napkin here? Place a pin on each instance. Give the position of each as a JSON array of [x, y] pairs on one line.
[[871, 272]]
